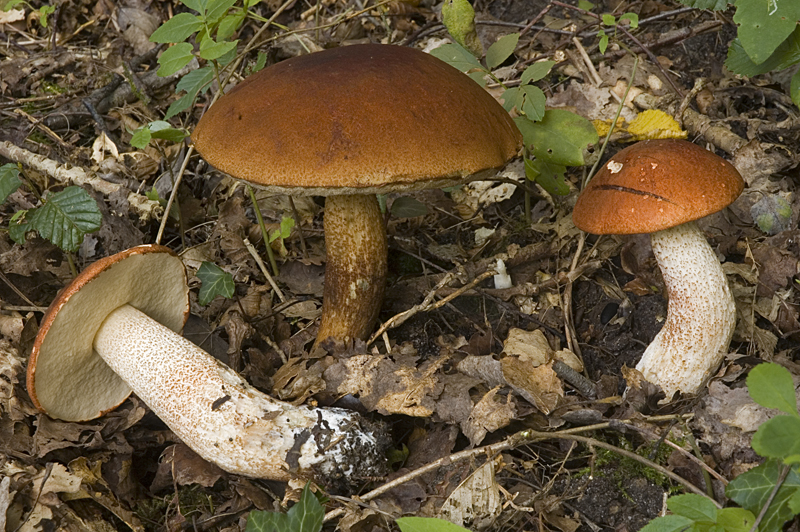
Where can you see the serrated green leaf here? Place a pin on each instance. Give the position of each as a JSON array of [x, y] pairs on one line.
[[214, 282], [670, 523], [216, 9], [141, 137], [65, 217], [305, 516], [786, 55], [560, 137], [228, 25], [177, 29], [512, 97], [210, 49], [764, 25], [501, 50], [771, 385], [535, 72], [427, 524], [408, 207], [457, 56], [778, 437], [550, 176], [695, 507], [9, 180], [716, 5], [752, 489], [174, 58], [533, 102], [194, 82]]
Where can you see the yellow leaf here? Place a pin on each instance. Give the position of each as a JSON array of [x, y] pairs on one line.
[[653, 124]]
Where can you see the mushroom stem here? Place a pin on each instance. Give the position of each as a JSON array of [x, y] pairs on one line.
[[701, 314], [224, 419], [355, 269]]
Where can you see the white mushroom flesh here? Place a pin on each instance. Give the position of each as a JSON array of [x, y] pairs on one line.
[[222, 417], [701, 313]]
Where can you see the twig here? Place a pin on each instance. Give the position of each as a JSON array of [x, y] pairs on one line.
[[173, 194], [254, 253], [145, 208]]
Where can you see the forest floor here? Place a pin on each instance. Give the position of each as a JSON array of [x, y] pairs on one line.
[[449, 378]]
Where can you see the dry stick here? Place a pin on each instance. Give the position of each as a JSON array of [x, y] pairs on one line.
[[630, 36], [144, 207], [254, 253], [526, 437], [172, 194], [425, 306]]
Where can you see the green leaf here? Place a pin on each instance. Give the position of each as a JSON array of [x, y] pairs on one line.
[[533, 102], [229, 25], [11, 4], [670, 523], [695, 507], [633, 18], [216, 9], [778, 437], [794, 89], [716, 5], [193, 82], [427, 524], [407, 207], [458, 17], [9, 180], [65, 217], [535, 72], [287, 223], [174, 58], [603, 45], [18, 227], [786, 55], [752, 489], [609, 20], [305, 516], [214, 282], [141, 137], [196, 5], [764, 25], [458, 57], [735, 519], [550, 176], [560, 137], [585, 5], [512, 98], [44, 11], [501, 50], [177, 29], [210, 49], [771, 385], [794, 502]]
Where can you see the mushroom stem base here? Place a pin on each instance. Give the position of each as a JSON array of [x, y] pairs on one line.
[[701, 314], [227, 421]]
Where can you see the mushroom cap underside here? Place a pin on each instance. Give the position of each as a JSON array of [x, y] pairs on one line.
[[66, 378], [654, 185], [357, 119]]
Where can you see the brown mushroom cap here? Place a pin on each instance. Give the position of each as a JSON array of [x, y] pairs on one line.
[[67, 379], [654, 185], [357, 119]]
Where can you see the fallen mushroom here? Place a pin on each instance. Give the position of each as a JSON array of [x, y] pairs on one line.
[[660, 187], [348, 123], [113, 329]]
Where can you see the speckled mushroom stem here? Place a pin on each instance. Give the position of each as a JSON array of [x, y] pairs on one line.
[[355, 269], [701, 314], [227, 421]]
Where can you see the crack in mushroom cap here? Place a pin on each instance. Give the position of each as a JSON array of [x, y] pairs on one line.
[[357, 119], [66, 378]]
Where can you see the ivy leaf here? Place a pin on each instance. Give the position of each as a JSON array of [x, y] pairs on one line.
[[65, 217], [305, 516], [501, 50], [177, 29], [752, 489], [215, 282], [9, 180], [670, 523], [174, 59], [771, 385]]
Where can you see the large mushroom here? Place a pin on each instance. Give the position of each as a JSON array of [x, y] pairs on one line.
[[348, 123], [660, 187], [113, 329]]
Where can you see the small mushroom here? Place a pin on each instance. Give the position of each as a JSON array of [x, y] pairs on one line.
[[348, 123], [113, 329], [660, 187]]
